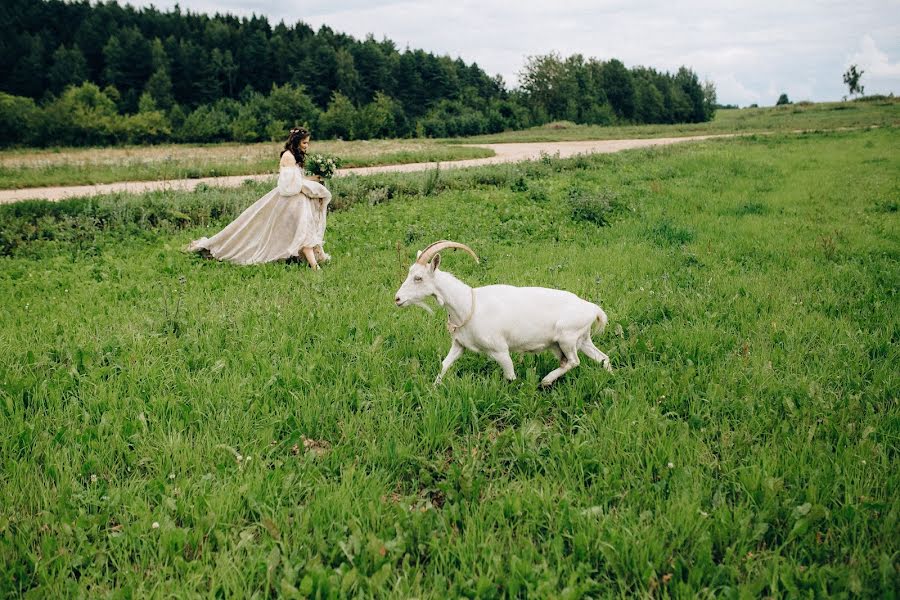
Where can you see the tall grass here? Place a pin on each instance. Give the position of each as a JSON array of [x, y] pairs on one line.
[[177, 426], [77, 166]]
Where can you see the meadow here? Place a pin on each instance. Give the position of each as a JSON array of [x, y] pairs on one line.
[[23, 168], [874, 112], [173, 426]]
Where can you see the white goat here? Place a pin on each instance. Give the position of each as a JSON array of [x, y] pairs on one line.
[[499, 319]]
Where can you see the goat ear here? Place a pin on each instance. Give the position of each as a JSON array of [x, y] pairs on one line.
[[435, 262]]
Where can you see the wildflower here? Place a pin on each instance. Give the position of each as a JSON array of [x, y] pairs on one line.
[[155, 525], [671, 465], [171, 475], [94, 477]]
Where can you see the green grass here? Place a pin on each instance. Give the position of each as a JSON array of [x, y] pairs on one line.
[[24, 168], [280, 426], [802, 116]]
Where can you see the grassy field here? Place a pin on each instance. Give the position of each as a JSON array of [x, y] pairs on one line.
[[81, 166], [791, 117], [25, 168], [173, 426]]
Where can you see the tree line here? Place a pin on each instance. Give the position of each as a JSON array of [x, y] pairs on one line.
[[84, 74]]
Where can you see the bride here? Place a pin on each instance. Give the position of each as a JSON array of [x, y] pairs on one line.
[[287, 222]]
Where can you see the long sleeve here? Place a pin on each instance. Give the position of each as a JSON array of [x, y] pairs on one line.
[[290, 181]]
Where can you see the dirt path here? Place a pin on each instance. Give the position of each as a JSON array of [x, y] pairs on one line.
[[504, 153]]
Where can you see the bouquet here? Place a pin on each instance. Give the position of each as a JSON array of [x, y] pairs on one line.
[[322, 165]]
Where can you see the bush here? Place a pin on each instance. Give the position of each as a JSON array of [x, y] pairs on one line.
[[83, 116], [599, 209], [246, 127], [340, 118], [19, 119], [142, 128], [291, 105], [205, 124], [381, 118]]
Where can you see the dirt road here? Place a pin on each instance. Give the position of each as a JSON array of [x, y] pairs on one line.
[[504, 153]]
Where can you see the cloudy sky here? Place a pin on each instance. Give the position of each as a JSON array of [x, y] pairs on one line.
[[752, 51]]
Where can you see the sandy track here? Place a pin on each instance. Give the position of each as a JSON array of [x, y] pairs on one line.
[[504, 153]]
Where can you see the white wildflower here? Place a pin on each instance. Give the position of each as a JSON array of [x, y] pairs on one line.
[[155, 525]]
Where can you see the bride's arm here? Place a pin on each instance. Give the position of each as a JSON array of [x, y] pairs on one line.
[[290, 177]]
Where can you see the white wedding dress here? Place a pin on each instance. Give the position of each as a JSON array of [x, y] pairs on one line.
[[275, 227]]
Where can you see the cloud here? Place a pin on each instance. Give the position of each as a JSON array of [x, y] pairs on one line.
[[873, 60], [880, 74]]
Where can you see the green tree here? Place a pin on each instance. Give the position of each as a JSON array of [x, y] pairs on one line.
[[688, 83], [83, 116], [129, 64], [782, 99], [206, 124], [194, 79], [348, 82], [69, 67], [290, 105], [225, 69], [383, 117], [617, 83], [159, 87], [851, 79], [18, 120], [246, 127], [28, 76], [339, 119], [710, 101], [159, 58], [255, 58], [540, 79], [649, 101], [372, 63]]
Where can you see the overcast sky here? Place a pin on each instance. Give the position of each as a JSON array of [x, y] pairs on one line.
[[752, 51]]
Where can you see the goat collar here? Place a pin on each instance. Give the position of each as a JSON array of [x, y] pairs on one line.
[[454, 328]]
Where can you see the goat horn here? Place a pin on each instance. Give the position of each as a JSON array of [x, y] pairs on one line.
[[429, 252]]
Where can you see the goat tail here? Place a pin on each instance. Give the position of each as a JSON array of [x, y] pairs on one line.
[[600, 321]]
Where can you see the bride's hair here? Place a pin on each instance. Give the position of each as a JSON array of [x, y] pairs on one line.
[[293, 144]]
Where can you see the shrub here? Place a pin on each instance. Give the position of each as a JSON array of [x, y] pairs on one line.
[[340, 118], [18, 120], [599, 209], [205, 124]]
